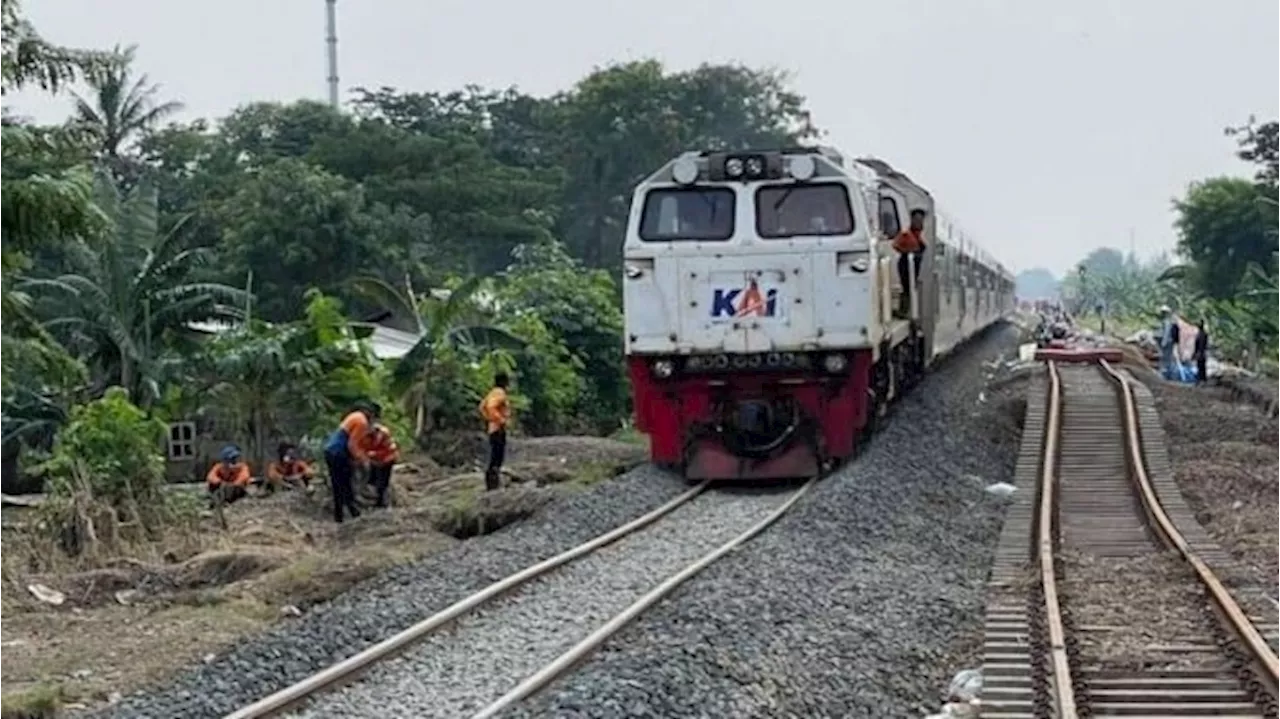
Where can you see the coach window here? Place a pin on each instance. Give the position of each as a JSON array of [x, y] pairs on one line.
[[690, 214], [803, 210]]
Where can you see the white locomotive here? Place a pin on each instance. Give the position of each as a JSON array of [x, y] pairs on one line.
[[766, 324]]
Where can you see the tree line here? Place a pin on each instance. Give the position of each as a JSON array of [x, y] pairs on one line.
[[488, 222], [1225, 269]]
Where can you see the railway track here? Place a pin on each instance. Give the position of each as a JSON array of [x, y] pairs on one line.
[[1106, 597], [489, 639]]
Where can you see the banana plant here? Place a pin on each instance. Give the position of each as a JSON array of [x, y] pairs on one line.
[[444, 322]]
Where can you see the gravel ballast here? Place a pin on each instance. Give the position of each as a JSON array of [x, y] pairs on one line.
[[382, 606], [456, 673], [863, 601]]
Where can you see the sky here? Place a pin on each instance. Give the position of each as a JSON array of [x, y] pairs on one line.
[[1044, 129]]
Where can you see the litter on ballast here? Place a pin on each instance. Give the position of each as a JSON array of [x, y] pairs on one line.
[[1000, 489], [962, 696]]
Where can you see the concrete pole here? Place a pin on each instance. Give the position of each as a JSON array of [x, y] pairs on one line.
[[331, 40]]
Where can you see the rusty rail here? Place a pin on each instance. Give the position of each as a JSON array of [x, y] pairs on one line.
[[1240, 625], [1063, 692]]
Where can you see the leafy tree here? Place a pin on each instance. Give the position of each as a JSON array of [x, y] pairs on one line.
[[121, 294], [121, 108], [1260, 145], [1224, 226], [580, 309], [26, 58], [296, 226]]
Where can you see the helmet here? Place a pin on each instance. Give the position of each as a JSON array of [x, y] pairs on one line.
[[229, 453]]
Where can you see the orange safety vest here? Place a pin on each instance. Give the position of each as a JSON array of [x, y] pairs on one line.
[[909, 241], [237, 474], [495, 409]]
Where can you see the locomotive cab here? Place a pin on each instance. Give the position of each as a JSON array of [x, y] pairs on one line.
[[751, 311]]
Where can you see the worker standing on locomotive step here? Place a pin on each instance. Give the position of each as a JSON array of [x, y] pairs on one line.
[[910, 243], [495, 408], [288, 470], [383, 455], [343, 452], [229, 478]]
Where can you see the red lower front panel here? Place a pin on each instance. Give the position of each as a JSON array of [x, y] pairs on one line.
[[668, 410]]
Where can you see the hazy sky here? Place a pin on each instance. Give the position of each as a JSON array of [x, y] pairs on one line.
[[1044, 128]]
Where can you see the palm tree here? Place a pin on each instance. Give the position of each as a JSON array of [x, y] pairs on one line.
[[122, 108], [444, 321], [124, 292]]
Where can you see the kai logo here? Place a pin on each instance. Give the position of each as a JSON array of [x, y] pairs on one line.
[[739, 303]]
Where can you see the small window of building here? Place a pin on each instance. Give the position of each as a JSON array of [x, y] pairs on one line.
[[182, 440]]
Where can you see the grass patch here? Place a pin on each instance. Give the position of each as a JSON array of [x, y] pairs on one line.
[[39, 702], [590, 473], [630, 435]]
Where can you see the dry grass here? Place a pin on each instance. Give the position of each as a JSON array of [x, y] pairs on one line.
[[1224, 456], [131, 618]]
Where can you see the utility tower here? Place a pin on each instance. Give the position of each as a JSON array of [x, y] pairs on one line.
[[331, 40]]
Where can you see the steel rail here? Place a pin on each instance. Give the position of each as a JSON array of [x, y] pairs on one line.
[[566, 661], [1063, 688], [1237, 620], [349, 668]]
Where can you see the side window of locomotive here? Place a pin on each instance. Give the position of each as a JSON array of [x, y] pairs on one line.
[[800, 210], [690, 214], [889, 220]]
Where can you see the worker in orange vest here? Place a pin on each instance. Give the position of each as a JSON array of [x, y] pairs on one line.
[[383, 454], [343, 452], [288, 469], [495, 408], [910, 243], [228, 479]]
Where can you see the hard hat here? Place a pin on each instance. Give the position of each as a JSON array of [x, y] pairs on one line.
[[1165, 309], [229, 453]]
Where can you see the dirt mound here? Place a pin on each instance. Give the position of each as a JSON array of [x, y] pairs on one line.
[[207, 570]]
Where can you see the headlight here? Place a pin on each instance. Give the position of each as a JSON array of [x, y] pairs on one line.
[[834, 363], [685, 171], [663, 369], [755, 167], [802, 167], [733, 167]]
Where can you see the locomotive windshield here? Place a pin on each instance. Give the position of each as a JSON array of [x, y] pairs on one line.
[[808, 209], [698, 213]]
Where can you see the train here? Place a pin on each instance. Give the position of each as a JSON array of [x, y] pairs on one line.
[[767, 330]]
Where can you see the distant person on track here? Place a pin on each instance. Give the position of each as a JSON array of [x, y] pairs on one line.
[[1201, 353], [910, 243], [1169, 338], [495, 408], [288, 470], [383, 454], [344, 452], [228, 479]]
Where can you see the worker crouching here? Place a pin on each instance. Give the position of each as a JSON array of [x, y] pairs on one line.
[[383, 454], [228, 479], [289, 470]]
